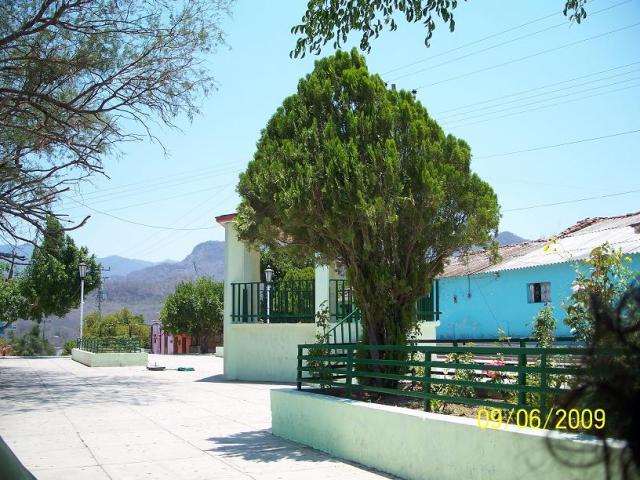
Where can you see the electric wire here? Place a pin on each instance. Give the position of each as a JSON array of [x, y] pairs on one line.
[[563, 144], [464, 122], [521, 92], [448, 118], [526, 57], [486, 49]]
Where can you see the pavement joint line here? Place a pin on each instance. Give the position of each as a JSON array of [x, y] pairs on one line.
[[221, 459], [55, 400]]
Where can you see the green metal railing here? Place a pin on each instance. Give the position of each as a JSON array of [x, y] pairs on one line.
[[277, 302], [343, 302], [508, 342], [530, 374], [351, 323], [109, 344]]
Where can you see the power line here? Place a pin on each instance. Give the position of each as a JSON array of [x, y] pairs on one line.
[[154, 180], [461, 121], [521, 92], [134, 191], [618, 194], [158, 227], [526, 57], [157, 240], [155, 200], [472, 43], [497, 45], [448, 118], [543, 107], [573, 142]]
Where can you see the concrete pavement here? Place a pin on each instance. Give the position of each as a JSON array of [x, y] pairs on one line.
[[67, 421]]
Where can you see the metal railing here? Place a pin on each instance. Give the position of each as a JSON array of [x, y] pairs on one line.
[[529, 377], [505, 342], [109, 344], [343, 302], [351, 323], [290, 301]]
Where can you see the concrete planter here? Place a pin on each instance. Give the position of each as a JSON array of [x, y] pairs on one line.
[[421, 446], [110, 359]]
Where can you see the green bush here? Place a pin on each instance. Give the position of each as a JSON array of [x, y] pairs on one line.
[[31, 344], [123, 323], [68, 346]]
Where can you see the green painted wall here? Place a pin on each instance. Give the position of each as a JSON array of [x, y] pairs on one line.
[[423, 446], [266, 352], [91, 359]]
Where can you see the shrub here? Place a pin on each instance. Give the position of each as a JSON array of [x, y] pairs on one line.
[[32, 343], [68, 346]]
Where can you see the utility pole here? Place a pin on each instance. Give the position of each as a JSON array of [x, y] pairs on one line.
[[101, 294]]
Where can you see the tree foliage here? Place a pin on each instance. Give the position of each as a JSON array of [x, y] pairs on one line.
[[78, 77], [610, 381], [51, 281], [50, 285], [333, 21], [604, 275], [122, 323], [195, 308], [282, 262], [361, 174], [13, 305], [31, 343], [544, 326]]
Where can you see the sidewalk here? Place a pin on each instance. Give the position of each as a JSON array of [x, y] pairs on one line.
[[64, 420]]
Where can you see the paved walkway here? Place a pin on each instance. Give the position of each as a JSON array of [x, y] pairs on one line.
[[67, 421]]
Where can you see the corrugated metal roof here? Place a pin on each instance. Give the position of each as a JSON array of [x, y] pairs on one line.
[[574, 243]]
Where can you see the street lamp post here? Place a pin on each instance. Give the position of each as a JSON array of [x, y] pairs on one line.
[[268, 275], [82, 269]]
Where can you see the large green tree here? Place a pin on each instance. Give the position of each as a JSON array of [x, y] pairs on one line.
[[361, 174], [326, 21], [51, 283], [195, 308], [79, 77]]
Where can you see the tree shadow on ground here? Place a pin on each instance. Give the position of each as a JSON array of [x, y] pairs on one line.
[[263, 446]]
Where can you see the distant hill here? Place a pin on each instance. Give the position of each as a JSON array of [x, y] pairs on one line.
[[121, 266], [509, 238]]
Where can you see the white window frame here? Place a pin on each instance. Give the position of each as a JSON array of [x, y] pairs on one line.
[[545, 292]]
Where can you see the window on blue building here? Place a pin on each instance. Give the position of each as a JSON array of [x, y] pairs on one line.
[[539, 292]]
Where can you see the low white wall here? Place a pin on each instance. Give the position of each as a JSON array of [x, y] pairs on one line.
[[115, 359], [428, 330], [423, 446], [265, 352]]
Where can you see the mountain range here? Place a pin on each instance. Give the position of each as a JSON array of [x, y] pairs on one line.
[[142, 286]]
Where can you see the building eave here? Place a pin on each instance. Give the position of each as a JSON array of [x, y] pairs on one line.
[[224, 219]]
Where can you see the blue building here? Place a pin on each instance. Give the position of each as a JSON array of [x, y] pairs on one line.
[[477, 297]]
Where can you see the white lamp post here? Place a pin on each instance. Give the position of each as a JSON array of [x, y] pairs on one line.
[[82, 269], [268, 275]]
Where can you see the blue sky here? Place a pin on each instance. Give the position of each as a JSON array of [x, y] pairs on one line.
[[484, 90]]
